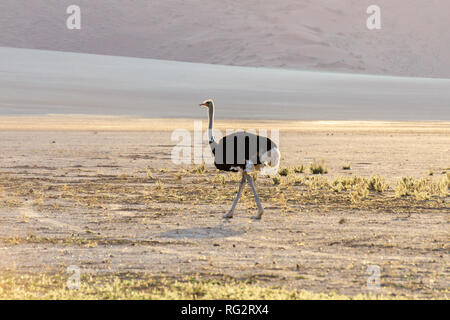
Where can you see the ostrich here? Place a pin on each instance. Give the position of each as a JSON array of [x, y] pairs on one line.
[[242, 151]]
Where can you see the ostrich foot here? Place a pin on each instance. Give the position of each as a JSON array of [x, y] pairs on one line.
[[259, 215], [229, 215]]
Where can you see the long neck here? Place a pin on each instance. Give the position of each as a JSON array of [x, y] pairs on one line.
[[212, 142]]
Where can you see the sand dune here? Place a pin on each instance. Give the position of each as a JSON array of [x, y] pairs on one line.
[[301, 34]]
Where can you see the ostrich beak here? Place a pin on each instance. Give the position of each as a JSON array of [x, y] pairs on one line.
[[202, 105]]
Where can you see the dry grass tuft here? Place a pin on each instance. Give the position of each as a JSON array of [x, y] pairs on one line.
[[378, 184], [346, 166], [422, 189], [149, 173], [299, 169], [284, 172], [219, 179], [359, 192], [159, 185], [200, 169], [318, 167], [276, 180]]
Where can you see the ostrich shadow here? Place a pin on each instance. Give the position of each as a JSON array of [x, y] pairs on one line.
[[222, 230]]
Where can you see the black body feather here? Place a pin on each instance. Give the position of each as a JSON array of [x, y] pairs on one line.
[[233, 151]]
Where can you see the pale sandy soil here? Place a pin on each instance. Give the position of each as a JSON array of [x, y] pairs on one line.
[[74, 191]]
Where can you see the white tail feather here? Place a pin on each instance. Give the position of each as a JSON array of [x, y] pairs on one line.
[[271, 161]]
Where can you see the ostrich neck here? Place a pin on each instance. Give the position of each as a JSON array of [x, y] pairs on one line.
[[212, 143]]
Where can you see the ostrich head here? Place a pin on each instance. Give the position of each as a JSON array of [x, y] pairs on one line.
[[207, 103]]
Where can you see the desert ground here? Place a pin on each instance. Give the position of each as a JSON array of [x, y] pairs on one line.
[[102, 194]]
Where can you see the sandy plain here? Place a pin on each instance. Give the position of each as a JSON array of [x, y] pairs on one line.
[[102, 194]]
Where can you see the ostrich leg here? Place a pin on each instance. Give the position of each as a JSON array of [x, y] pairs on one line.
[[258, 203], [241, 184]]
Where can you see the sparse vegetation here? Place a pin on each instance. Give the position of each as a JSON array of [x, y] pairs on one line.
[[276, 180], [161, 236], [346, 166], [219, 179], [285, 193], [444, 185], [234, 177], [359, 192], [422, 189], [283, 172], [299, 169], [200, 169], [101, 192], [318, 167], [149, 173], [378, 184], [143, 286], [178, 175], [159, 185]]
